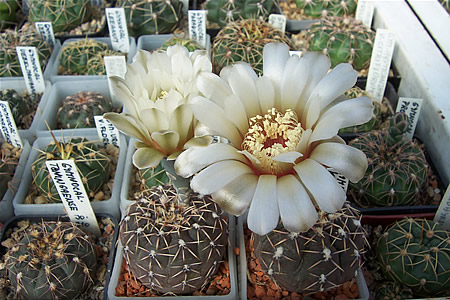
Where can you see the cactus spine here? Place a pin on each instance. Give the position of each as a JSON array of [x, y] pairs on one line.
[[8, 17], [19, 105], [415, 253], [171, 248], [322, 258], [92, 165], [397, 170], [324, 8], [78, 110], [53, 260], [8, 163]]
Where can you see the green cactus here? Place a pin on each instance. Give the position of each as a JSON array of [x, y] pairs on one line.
[[190, 44], [151, 17], [92, 165], [320, 259], [391, 290], [84, 57], [19, 104], [8, 16], [10, 39], [222, 12], [151, 177], [244, 40], [53, 260], [78, 110], [343, 39], [173, 249], [323, 8], [8, 164], [64, 14], [415, 253], [397, 169]]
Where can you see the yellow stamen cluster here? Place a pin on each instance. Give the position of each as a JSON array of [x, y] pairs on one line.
[[270, 135]]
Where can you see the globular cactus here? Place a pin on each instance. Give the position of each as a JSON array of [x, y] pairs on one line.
[[222, 12], [10, 39], [343, 39], [173, 249], [391, 290], [152, 17], [244, 40], [84, 57], [415, 253], [78, 110], [8, 164], [320, 259], [92, 165], [19, 104], [190, 44], [8, 13], [53, 260], [151, 177], [323, 8], [64, 14], [397, 167]]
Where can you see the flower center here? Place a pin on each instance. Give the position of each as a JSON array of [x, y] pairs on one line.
[[270, 135]]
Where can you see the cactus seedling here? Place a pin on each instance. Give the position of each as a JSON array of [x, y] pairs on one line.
[[78, 110]]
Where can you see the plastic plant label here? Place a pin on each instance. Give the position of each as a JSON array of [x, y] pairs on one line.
[[197, 26], [115, 66], [8, 126], [107, 131], [442, 215], [411, 107], [278, 21], [45, 30], [380, 63], [185, 7], [364, 12], [31, 70], [298, 53], [72, 193], [341, 179], [97, 2], [117, 26]]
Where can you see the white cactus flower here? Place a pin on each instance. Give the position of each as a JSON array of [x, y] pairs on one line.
[[282, 129], [155, 93]]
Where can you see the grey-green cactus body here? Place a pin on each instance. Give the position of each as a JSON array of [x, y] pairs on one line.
[[53, 260], [323, 8], [415, 253], [19, 105]]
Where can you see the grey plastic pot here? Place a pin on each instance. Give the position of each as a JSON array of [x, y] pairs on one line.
[[108, 206], [128, 171]]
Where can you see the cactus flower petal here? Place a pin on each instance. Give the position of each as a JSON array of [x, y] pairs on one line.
[[147, 157]]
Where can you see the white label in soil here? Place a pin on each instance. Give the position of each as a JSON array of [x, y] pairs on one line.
[[115, 66], [341, 179], [72, 193], [364, 12], [298, 53], [8, 126], [380, 63], [117, 26], [107, 131], [197, 26], [31, 69], [443, 213], [278, 21], [411, 107], [97, 2], [45, 30]]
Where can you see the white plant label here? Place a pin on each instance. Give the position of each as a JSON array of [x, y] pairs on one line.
[[380, 63], [45, 30], [278, 21], [341, 179], [31, 69], [97, 2], [8, 126], [298, 53], [197, 26], [114, 66], [72, 193], [411, 107], [185, 7], [364, 12], [117, 26], [107, 131], [443, 213]]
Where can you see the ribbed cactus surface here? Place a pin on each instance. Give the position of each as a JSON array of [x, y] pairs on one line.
[[53, 260], [173, 249], [19, 105], [323, 8], [415, 253], [322, 258]]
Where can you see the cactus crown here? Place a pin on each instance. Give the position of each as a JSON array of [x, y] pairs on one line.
[[53, 260], [398, 125], [324, 8]]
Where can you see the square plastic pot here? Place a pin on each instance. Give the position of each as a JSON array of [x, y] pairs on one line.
[[231, 258], [12, 222], [6, 203], [59, 91], [19, 85], [57, 77], [242, 265], [128, 171], [108, 206]]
